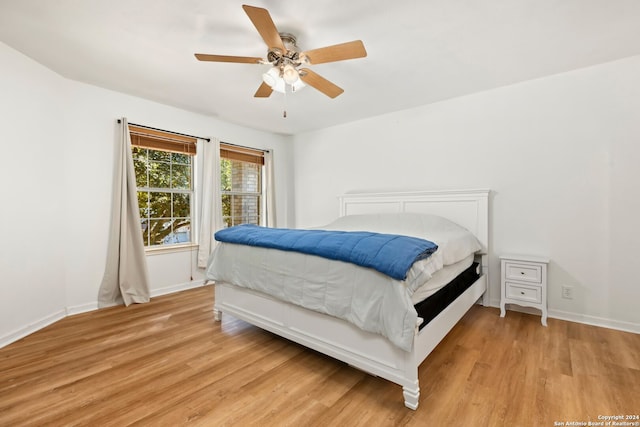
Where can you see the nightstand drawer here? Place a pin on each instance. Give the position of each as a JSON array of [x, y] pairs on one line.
[[523, 293], [523, 272]]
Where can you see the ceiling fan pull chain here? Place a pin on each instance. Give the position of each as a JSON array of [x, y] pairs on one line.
[[284, 113]]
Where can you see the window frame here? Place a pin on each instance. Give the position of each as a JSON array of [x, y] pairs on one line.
[[236, 153], [162, 141]]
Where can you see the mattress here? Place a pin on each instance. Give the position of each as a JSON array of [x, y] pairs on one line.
[[439, 279], [433, 305]]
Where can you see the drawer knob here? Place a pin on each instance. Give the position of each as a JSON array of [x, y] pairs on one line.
[[521, 293], [522, 272]]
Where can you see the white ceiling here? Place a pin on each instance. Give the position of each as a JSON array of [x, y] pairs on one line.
[[419, 51]]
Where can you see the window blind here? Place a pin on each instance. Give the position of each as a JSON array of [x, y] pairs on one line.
[[162, 140], [243, 154]]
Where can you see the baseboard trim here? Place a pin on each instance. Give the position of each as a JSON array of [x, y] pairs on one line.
[[84, 308], [586, 319], [177, 288], [31, 328], [595, 321]]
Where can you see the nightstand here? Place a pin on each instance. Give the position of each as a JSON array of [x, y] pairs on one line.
[[524, 282]]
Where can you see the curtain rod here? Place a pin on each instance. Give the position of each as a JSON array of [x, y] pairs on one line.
[[192, 136], [264, 150], [167, 131]]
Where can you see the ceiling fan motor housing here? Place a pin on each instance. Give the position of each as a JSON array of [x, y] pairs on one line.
[[291, 56]]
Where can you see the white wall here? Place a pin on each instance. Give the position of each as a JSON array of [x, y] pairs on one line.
[[32, 231], [559, 153], [58, 141]]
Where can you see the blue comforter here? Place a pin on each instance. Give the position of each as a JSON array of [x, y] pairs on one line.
[[389, 254]]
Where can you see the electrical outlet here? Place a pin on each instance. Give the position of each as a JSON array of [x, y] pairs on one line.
[[567, 292]]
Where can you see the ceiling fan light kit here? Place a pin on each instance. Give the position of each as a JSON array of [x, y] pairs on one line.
[[290, 74], [277, 79], [271, 77], [286, 59]]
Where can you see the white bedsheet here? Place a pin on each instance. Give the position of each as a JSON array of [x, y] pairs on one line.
[[370, 300]]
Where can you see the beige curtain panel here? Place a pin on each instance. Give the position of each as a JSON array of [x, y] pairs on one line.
[[126, 278], [210, 214]]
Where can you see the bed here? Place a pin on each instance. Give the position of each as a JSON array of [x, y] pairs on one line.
[[370, 351]]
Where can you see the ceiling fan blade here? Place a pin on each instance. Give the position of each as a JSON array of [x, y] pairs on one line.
[[338, 52], [264, 91], [265, 26], [225, 58], [320, 83]]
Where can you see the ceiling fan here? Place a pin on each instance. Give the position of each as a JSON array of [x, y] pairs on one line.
[[289, 64]]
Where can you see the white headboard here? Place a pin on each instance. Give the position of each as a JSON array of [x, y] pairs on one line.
[[469, 208]]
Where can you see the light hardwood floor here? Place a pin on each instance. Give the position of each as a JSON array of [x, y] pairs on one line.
[[168, 363]]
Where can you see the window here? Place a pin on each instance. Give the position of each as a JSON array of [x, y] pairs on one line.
[[163, 164], [241, 182]]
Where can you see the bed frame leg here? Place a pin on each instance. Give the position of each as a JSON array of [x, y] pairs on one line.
[[217, 315], [411, 396]]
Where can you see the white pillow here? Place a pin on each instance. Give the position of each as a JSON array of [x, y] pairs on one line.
[[455, 242]]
